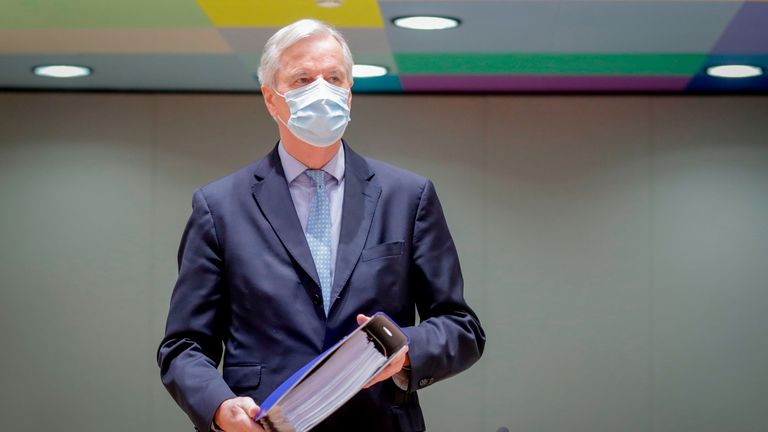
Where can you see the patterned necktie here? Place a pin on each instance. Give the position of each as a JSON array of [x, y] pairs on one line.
[[319, 234]]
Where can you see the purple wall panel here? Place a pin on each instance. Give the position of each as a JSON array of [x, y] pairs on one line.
[[541, 83], [747, 33]]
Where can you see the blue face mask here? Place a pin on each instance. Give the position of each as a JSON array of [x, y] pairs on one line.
[[319, 112]]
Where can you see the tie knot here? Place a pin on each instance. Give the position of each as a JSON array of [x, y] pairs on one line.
[[317, 176]]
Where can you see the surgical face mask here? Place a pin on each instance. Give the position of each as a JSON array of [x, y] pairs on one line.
[[319, 112]]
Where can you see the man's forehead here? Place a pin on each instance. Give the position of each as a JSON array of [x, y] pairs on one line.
[[315, 49], [312, 66]]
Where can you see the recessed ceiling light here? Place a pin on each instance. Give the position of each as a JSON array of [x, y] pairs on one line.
[[426, 22], [368, 71], [61, 71], [734, 71], [328, 3]]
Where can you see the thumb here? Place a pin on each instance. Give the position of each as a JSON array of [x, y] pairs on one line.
[[361, 319], [250, 407]]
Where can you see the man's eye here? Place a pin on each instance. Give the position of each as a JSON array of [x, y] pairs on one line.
[[334, 79], [302, 81]]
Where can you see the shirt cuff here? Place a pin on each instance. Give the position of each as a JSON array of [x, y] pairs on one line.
[[402, 378]]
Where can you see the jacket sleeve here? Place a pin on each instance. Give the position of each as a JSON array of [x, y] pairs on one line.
[[449, 338], [197, 320]]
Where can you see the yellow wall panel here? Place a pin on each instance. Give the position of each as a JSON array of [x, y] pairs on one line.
[[277, 13]]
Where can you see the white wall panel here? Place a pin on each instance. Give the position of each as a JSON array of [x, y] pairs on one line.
[[614, 248]]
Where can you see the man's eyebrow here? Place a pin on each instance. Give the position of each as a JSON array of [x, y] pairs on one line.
[[338, 73], [300, 71], [297, 72]]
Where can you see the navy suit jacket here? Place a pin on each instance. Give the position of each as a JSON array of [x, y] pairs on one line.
[[248, 290]]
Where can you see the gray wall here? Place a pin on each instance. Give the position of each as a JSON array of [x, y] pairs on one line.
[[615, 248]]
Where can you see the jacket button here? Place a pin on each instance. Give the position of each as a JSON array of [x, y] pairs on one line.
[[316, 299]]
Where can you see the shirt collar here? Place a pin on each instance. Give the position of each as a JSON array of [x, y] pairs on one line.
[[293, 168]]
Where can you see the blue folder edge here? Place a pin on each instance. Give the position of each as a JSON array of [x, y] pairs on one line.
[[300, 374]]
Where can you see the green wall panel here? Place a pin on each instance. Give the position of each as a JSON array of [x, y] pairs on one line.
[[549, 64]]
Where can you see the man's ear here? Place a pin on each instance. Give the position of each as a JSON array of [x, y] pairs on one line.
[[269, 100], [352, 83]]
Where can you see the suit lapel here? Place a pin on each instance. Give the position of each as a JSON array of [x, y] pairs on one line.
[[361, 195], [274, 199]]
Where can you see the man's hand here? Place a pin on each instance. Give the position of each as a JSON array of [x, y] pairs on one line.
[[397, 364], [237, 414]]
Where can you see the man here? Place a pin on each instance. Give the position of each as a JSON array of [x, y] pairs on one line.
[[284, 257]]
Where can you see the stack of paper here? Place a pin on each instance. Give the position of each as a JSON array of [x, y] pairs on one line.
[[327, 382]]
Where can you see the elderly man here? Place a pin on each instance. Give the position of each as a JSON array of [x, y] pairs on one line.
[[281, 259]]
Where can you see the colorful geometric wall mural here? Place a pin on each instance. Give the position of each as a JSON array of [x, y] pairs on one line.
[[500, 46]]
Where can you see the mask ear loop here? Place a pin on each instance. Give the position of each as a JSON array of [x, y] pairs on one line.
[[278, 119]]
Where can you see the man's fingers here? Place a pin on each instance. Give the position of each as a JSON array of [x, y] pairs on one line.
[[237, 415], [243, 423], [399, 361], [403, 354], [361, 319], [378, 378], [249, 412], [249, 407], [384, 374], [390, 370]]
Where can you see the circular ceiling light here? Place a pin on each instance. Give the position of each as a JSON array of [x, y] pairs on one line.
[[328, 3], [734, 71], [368, 71], [61, 71], [426, 22]]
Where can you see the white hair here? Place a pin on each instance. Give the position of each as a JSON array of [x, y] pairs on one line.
[[289, 35]]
